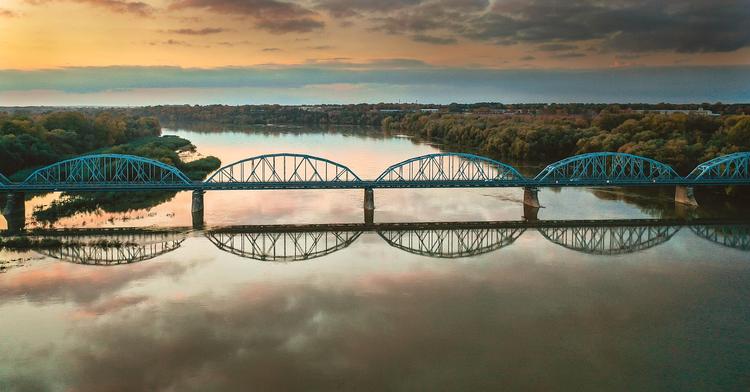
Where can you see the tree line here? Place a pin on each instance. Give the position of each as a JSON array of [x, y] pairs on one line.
[[30, 140], [681, 140]]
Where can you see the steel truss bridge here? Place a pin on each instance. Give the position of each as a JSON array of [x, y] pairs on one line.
[[114, 172], [284, 243]]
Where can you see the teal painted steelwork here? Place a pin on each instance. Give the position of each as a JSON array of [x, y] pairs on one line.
[[104, 170], [283, 168], [607, 168], [450, 168], [114, 172], [733, 168]]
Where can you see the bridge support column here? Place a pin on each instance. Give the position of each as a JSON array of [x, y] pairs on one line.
[[15, 211], [530, 213], [369, 206], [531, 197], [197, 209], [685, 195]]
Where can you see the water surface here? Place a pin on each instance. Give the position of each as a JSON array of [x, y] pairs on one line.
[[612, 307]]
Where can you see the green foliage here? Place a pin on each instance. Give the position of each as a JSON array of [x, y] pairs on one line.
[[680, 140], [30, 141]]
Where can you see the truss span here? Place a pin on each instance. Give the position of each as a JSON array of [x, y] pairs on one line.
[[451, 243], [451, 169], [114, 249], [732, 236], [4, 181], [732, 168], [608, 240], [284, 169], [107, 170], [607, 168], [282, 246]]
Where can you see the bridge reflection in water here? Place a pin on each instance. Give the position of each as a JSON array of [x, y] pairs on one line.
[[616, 240], [732, 236], [282, 246], [284, 243], [451, 243], [112, 248]]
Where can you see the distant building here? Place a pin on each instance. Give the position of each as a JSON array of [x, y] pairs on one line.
[[699, 112]]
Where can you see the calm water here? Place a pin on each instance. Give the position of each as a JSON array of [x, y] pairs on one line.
[[593, 308]]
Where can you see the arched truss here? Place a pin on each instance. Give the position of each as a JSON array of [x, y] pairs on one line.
[[114, 249], [3, 181], [451, 169], [732, 236], [107, 170], [606, 240], [451, 243], [603, 168], [283, 246], [304, 170], [728, 168]]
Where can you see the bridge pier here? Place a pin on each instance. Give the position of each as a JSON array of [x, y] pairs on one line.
[[197, 209], [685, 195], [530, 213], [369, 206], [531, 197], [15, 211]]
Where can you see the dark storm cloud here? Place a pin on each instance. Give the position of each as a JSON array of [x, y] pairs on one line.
[[119, 6], [271, 15], [606, 325], [620, 25], [431, 39], [203, 31]]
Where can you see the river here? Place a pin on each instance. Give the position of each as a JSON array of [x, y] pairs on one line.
[[617, 306]]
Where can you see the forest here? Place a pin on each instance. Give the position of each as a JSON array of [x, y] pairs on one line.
[[681, 140], [35, 140]]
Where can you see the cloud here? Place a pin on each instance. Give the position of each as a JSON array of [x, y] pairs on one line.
[[4, 13], [271, 15], [688, 26], [271, 49], [528, 58], [171, 42], [118, 6], [352, 8], [555, 47], [569, 55], [381, 80], [483, 326], [203, 31], [321, 47], [81, 285], [430, 39]]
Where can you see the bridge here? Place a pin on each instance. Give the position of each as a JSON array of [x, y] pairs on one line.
[[114, 172], [445, 240]]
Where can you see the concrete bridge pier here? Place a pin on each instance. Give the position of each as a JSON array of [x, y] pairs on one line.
[[530, 214], [197, 209], [369, 206], [15, 211], [531, 197], [685, 195]]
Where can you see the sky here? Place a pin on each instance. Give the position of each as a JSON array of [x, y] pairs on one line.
[[131, 52]]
